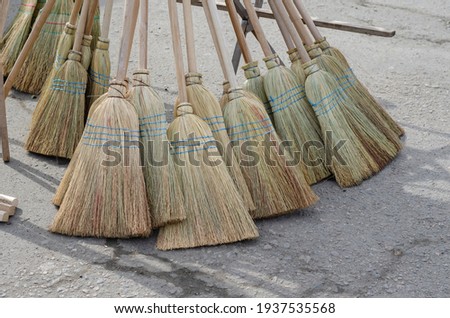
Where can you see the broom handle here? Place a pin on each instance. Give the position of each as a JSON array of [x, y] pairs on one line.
[[3, 16], [81, 26], [238, 30], [282, 26], [75, 10], [257, 28], [221, 48], [283, 15], [215, 40], [176, 44], [143, 34], [91, 17], [28, 45], [189, 32], [129, 26], [298, 22], [308, 19], [107, 18]]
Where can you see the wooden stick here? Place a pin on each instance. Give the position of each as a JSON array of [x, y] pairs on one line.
[[282, 26], [257, 27], [234, 17], [189, 33], [107, 18], [28, 45], [129, 26], [75, 11], [3, 122], [81, 26], [177, 51], [308, 20], [3, 16], [143, 34], [9, 200], [210, 6], [296, 18], [334, 25], [91, 16]]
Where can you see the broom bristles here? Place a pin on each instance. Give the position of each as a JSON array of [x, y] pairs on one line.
[[294, 119], [99, 72], [297, 65], [39, 62], [373, 109], [64, 184], [163, 190], [13, 40], [277, 187], [206, 106], [225, 95], [59, 127], [215, 212], [96, 29], [254, 83], [107, 197], [86, 53]]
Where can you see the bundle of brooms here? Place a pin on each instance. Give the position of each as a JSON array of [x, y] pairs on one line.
[[104, 199], [215, 212]]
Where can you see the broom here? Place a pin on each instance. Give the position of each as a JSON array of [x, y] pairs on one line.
[[13, 40], [294, 118], [206, 106], [383, 143], [163, 191], [215, 212], [254, 81], [65, 44], [86, 53], [342, 129], [277, 187], [58, 126], [360, 94], [104, 198], [100, 68], [96, 29], [40, 60]]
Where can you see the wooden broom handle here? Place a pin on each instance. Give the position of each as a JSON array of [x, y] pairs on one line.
[[75, 11], [214, 37], [28, 45], [296, 18], [3, 122], [3, 15], [129, 26], [284, 17], [221, 48], [282, 26], [308, 20], [189, 33], [81, 26], [143, 34], [257, 27], [177, 51], [91, 17], [107, 18], [238, 30]]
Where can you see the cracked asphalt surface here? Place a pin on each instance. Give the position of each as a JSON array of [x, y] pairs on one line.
[[388, 237]]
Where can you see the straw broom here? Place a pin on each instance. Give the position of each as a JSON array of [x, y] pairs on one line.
[[254, 81], [207, 107], [382, 142], [226, 98], [364, 100], [96, 29], [40, 60], [58, 126], [294, 118], [104, 199], [100, 68], [342, 127], [163, 190], [215, 212], [277, 187], [13, 40]]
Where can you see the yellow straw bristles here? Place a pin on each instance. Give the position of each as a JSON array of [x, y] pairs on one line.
[[207, 107], [163, 190], [277, 187], [254, 83], [86, 53], [215, 212], [297, 65], [99, 72], [106, 196]]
